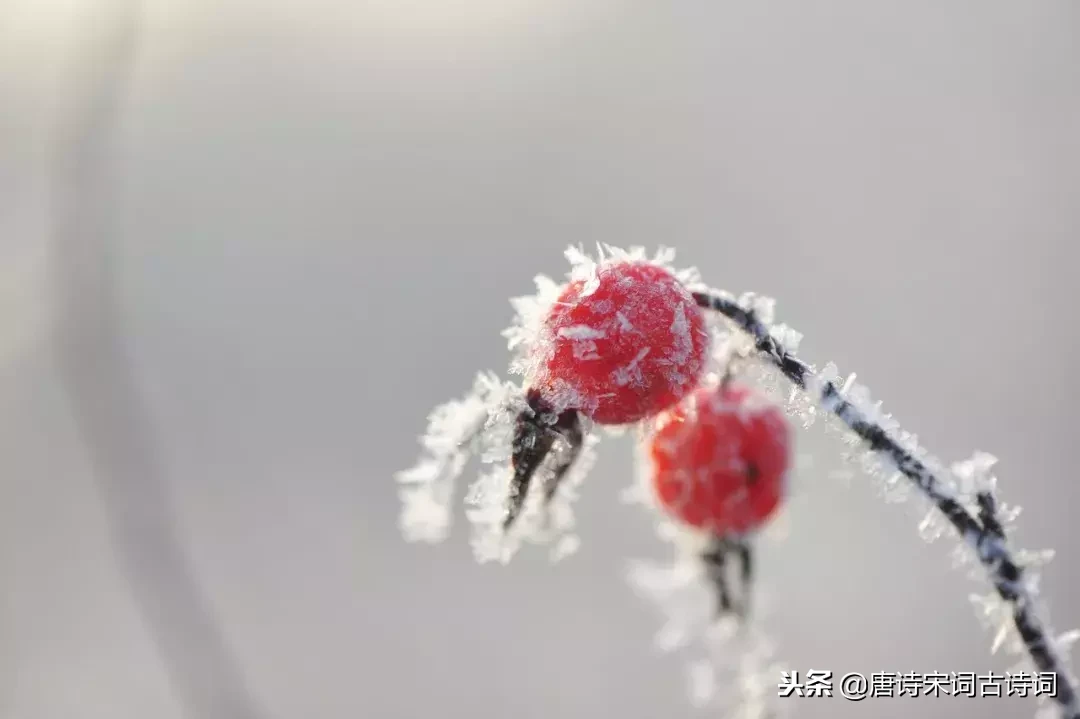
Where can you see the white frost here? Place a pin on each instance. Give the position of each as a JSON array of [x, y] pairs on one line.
[[581, 332], [631, 373], [731, 667], [526, 336], [483, 423], [962, 482], [427, 489], [975, 474], [553, 526]]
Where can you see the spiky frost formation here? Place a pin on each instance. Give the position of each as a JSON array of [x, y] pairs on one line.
[[481, 424], [622, 340], [553, 526], [961, 499], [454, 430], [958, 500], [530, 342], [525, 336], [731, 667]]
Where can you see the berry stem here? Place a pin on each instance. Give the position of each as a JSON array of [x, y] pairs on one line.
[[983, 533], [715, 558], [535, 432]]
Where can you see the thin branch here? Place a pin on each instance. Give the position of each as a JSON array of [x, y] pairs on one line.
[[97, 374], [983, 533], [988, 514]]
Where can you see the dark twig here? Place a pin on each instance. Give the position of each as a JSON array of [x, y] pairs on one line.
[[746, 573], [535, 432], [716, 558], [984, 532], [988, 514], [97, 373]]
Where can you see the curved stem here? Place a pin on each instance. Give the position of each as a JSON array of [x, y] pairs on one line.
[[984, 533]]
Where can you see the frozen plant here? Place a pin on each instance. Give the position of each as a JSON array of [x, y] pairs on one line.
[[716, 468], [717, 465], [733, 663], [626, 339], [964, 497], [622, 340]]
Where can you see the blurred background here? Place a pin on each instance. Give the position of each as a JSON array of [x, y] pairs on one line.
[[246, 247]]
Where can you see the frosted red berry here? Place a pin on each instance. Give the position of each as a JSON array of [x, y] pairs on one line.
[[623, 345], [719, 459]]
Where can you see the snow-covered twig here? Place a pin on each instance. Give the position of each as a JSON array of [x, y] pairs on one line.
[[742, 332], [980, 528]]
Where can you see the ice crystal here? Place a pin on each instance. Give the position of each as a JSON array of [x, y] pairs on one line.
[[975, 475], [453, 432], [525, 337], [553, 525], [736, 665], [729, 665], [482, 423], [933, 525], [969, 484]]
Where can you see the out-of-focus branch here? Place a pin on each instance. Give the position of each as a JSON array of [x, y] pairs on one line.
[[97, 374]]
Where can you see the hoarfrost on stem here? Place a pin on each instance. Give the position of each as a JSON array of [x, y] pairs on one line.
[[533, 343], [553, 525], [964, 495], [731, 665], [962, 498], [453, 432]]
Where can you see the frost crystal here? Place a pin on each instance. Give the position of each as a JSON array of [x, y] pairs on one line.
[[933, 525], [963, 496], [454, 428], [974, 475], [483, 423], [528, 320], [553, 525], [732, 666]]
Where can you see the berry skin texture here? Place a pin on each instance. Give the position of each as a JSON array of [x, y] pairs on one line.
[[720, 459], [624, 345]]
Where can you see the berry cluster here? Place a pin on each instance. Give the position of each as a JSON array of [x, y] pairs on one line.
[[626, 342]]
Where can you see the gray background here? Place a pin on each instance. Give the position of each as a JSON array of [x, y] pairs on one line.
[[319, 210]]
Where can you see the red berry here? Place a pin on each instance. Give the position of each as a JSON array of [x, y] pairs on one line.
[[622, 346], [719, 459]]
